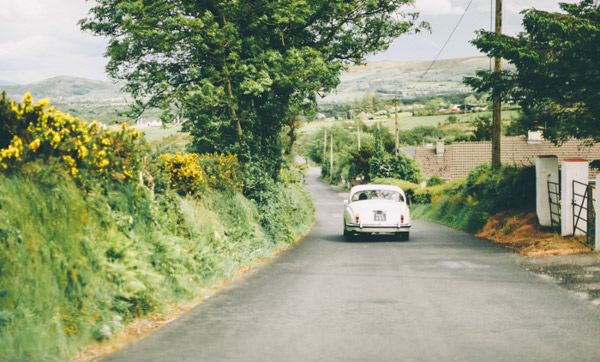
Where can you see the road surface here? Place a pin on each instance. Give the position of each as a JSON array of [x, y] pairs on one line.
[[442, 296]]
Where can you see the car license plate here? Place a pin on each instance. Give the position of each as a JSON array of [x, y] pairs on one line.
[[379, 216]]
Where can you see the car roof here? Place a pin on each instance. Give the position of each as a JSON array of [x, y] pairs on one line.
[[359, 188]]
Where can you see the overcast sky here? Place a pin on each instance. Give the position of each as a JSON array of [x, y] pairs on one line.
[[40, 39]]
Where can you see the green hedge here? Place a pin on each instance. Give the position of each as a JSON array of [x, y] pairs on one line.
[[466, 204], [76, 265]]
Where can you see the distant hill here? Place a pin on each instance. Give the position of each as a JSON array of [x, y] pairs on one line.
[[5, 82], [403, 78], [65, 88], [385, 77]]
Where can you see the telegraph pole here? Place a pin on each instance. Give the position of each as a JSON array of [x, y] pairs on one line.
[[357, 130], [497, 103], [331, 162], [396, 122], [325, 146]]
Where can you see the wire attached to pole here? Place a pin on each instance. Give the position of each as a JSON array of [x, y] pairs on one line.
[[446, 43]]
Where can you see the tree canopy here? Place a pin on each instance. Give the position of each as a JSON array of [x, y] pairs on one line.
[[557, 70], [235, 69]]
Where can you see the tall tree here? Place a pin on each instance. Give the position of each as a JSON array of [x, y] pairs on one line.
[[557, 70], [235, 68]]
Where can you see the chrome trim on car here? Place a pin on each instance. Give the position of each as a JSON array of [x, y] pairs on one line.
[[367, 226]]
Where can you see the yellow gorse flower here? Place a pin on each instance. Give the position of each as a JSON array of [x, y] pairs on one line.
[[42, 103], [35, 144], [49, 133]]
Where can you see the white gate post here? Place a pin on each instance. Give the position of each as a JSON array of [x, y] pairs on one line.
[[597, 244], [546, 169], [573, 169]]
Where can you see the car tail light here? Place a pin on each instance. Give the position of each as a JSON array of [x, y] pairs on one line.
[[357, 218], [402, 218]]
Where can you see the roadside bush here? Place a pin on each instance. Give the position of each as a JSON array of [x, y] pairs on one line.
[[193, 174], [512, 187], [76, 265], [285, 208], [185, 173], [88, 152], [402, 167], [467, 203], [82, 253], [434, 181], [223, 171]]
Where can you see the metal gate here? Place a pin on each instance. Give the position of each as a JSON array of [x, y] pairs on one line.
[[554, 198], [584, 215]]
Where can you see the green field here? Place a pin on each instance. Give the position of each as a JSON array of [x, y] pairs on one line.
[[158, 133], [167, 139], [407, 121]]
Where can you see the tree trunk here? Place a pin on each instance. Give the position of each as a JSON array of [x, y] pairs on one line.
[[236, 122]]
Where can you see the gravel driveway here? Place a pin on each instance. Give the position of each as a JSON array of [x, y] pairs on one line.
[[578, 273]]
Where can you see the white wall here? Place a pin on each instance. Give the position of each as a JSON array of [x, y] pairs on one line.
[[546, 169], [572, 169]]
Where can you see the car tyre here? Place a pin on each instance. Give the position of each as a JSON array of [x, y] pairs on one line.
[[403, 236], [348, 235]]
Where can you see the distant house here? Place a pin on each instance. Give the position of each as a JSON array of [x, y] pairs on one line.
[[457, 159], [149, 122], [464, 107]]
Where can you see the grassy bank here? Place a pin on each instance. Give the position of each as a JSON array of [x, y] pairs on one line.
[[467, 204], [76, 265]]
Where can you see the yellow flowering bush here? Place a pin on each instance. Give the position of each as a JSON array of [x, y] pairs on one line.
[[191, 173], [185, 172], [222, 171], [31, 131]]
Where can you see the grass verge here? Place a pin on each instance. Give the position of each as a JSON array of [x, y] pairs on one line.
[[76, 266]]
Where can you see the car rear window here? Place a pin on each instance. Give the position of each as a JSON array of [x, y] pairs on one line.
[[377, 195]]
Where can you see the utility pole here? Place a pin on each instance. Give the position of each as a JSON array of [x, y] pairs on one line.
[[331, 161], [497, 103], [357, 129], [396, 122], [325, 146]]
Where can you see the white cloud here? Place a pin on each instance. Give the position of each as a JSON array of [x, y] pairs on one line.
[[439, 7], [38, 46], [22, 10], [40, 39]]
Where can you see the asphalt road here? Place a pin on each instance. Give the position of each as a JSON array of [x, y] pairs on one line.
[[442, 296]]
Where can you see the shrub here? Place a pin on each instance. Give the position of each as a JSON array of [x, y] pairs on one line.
[[467, 203], [82, 252], [87, 151], [76, 264], [185, 172], [402, 167], [193, 174], [434, 181], [483, 128], [222, 171]]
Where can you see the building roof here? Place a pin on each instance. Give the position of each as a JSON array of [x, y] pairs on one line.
[[459, 158]]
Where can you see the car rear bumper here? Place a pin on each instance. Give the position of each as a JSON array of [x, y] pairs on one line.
[[361, 228]]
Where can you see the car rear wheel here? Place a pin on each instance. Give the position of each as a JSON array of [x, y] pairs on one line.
[[348, 235], [403, 236]]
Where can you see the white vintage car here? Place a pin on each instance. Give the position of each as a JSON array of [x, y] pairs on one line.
[[376, 209]]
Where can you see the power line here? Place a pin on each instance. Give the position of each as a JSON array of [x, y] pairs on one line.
[[446, 43]]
